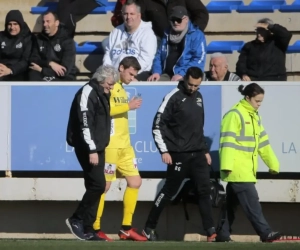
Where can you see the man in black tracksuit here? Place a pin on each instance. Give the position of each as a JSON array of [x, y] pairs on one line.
[[53, 54], [15, 48], [89, 132], [178, 134]]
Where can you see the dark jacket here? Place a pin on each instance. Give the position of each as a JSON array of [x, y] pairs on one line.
[[178, 123], [265, 61], [59, 48], [157, 11], [15, 50], [89, 120]]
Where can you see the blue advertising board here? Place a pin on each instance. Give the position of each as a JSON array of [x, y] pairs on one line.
[[39, 120]]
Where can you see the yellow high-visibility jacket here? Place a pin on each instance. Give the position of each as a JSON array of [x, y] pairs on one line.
[[242, 139]]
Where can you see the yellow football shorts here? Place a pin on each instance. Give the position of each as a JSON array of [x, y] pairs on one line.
[[121, 160]]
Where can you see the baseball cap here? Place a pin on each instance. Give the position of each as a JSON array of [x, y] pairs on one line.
[[178, 12]]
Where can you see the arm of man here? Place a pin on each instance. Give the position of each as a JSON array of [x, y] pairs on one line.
[[198, 12], [241, 65], [266, 152], [157, 67], [230, 127], [148, 48], [106, 59], [69, 54], [23, 63], [281, 35], [160, 122], [86, 113], [198, 55]]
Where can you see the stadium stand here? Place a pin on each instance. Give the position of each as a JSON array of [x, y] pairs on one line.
[[225, 32]]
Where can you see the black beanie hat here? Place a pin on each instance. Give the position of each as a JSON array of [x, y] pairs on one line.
[[15, 16]]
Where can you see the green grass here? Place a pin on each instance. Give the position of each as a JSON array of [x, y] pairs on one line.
[[76, 245]]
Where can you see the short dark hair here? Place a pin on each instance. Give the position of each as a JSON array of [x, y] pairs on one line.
[[53, 13], [194, 72], [130, 61], [251, 90]]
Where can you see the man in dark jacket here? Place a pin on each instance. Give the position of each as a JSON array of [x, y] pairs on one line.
[[158, 11], [16, 43], [89, 132], [178, 135], [53, 54], [263, 59]]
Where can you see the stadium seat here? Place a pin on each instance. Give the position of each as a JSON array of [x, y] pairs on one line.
[[226, 47], [295, 48], [52, 6], [89, 48], [294, 7], [261, 6], [219, 6]]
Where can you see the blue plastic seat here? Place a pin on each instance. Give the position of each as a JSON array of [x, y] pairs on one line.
[[226, 47], [295, 48], [89, 48], [225, 6], [261, 6], [294, 7], [52, 6]]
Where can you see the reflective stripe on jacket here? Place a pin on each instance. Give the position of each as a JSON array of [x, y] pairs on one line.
[[242, 139]]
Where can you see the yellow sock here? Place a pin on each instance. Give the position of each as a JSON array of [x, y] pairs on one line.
[[97, 223], [129, 203]]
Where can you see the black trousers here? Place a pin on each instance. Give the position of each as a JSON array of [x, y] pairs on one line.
[[194, 166], [94, 181], [246, 195], [71, 11]]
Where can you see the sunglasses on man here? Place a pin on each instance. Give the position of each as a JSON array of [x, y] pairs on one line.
[[176, 19]]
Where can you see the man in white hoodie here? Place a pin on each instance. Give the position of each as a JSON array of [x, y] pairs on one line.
[[132, 38]]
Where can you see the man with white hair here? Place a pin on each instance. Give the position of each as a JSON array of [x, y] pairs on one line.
[[133, 38], [218, 69], [89, 133]]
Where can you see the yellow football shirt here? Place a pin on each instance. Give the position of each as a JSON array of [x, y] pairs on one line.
[[119, 133]]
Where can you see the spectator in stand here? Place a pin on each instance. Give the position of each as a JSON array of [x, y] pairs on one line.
[[69, 12], [133, 38], [157, 12], [263, 59], [218, 69], [53, 53], [16, 43], [183, 46]]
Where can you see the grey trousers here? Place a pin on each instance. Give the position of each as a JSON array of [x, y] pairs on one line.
[[246, 195]]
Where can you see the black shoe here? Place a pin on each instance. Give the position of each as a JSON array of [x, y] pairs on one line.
[[223, 239], [93, 237], [272, 237], [76, 228], [150, 234]]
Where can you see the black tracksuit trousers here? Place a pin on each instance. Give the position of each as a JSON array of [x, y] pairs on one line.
[[94, 181], [185, 165]]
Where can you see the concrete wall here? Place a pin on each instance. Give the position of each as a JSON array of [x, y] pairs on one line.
[[46, 218]]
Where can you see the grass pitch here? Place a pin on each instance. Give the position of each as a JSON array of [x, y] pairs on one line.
[[78, 245]]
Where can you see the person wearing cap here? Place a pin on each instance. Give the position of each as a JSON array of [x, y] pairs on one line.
[[183, 46], [16, 43]]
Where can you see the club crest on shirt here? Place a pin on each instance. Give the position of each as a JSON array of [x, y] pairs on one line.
[[199, 101]]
